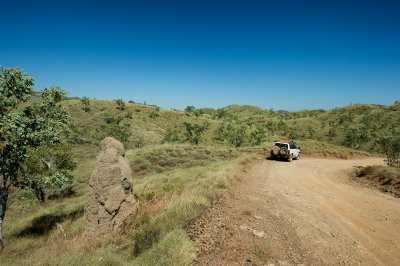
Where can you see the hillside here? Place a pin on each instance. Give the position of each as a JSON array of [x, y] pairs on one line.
[[328, 126], [176, 181]]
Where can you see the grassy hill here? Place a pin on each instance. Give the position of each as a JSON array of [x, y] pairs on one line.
[[174, 182], [327, 126]]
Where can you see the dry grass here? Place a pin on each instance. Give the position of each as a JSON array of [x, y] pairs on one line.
[[174, 183], [52, 233]]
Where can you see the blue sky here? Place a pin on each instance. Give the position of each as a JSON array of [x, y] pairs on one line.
[[290, 55]]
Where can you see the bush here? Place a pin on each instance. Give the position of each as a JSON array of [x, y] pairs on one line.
[[86, 104], [193, 132], [189, 109], [120, 104], [171, 136], [257, 136], [129, 115], [154, 114], [236, 134], [198, 112], [111, 119], [117, 131], [390, 145]]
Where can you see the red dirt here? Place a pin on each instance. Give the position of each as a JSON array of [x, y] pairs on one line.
[[304, 212]]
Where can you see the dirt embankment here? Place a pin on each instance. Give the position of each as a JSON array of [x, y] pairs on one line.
[[307, 211]]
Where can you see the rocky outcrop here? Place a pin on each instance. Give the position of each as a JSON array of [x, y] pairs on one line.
[[110, 202]]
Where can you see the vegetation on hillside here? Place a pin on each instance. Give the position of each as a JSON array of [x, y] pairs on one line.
[[181, 161], [29, 140]]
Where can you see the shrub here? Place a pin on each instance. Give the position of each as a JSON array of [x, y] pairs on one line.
[[129, 115], [117, 131], [390, 145], [332, 132], [120, 104], [171, 136], [236, 134], [154, 114], [49, 169], [198, 112], [193, 132], [257, 136], [112, 119], [86, 104], [189, 109]]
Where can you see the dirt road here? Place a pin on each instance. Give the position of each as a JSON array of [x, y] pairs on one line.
[[304, 212]]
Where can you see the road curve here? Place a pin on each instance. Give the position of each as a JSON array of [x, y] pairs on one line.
[[308, 211]]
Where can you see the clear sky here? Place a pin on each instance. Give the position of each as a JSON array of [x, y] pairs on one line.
[[279, 54]]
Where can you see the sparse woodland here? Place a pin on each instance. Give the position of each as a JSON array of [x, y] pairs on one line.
[[181, 161]]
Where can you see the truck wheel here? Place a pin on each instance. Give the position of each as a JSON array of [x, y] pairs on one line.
[[290, 158], [298, 157]]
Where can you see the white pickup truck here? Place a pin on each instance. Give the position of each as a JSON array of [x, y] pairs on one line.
[[285, 149]]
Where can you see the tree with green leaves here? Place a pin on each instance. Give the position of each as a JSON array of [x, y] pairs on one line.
[[86, 104], [171, 136], [198, 112], [220, 113], [311, 132], [219, 133], [355, 137], [390, 145], [120, 104], [48, 169], [193, 132], [332, 132], [39, 125], [112, 119], [236, 135], [257, 136], [189, 110], [121, 132]]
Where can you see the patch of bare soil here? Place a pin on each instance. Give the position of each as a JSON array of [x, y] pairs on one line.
[[303, 212], [378, 178]]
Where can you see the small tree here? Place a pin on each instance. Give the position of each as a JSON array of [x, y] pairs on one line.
[[86, 104], [332, 132], [198, 112], [48, 169], [120, 132], [189, 109], [311, 132], [293, 134], [120, 104], [112, 119], [236, 134], [390, 145], [257, 136], [171, 136], [154, 114], [355, 137], [129, 115], [220, 113], [193, 132], [219, 133], [39, 125]]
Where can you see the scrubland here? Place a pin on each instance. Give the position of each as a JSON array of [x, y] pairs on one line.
[[174, 179]]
